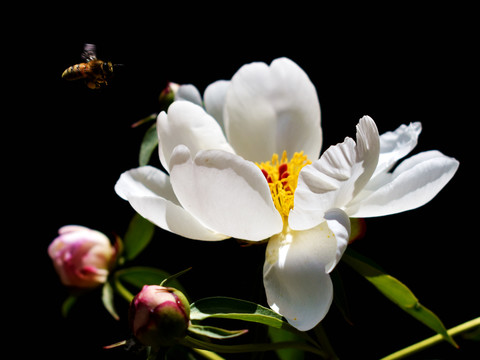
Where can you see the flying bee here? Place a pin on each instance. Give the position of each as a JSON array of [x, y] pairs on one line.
[[96, 72]]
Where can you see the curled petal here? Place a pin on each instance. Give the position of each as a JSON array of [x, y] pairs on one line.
[[295, 274], [414, 182], [339, 223], [189, 92], [150, 193], [225, 193], [269, 109], [394, 145], [188, 124], [336, 178]]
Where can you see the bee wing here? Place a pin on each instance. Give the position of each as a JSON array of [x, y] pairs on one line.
[[89, 52]]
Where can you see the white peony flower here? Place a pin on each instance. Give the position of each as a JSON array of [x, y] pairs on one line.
[[240, 172]]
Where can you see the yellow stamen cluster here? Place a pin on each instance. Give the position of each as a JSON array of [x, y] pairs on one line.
[[282, 177]]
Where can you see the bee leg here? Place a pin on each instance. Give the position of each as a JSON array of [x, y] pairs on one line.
[[92, 85], [100, 83]]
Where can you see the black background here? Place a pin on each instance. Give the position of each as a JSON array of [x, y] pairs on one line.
[[66, 145]]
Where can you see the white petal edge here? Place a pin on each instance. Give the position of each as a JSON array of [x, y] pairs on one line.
[[269, 109], [188, 124], [294, 275], [214, 98], [225, 193], [149, 192], [189, 92], [415, 182], [339, 223], [396, 144], [336, 178]]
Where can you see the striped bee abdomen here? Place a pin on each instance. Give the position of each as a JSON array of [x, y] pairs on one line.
[[75, 72]]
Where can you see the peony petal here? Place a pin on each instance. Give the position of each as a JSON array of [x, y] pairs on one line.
[[214, 98], [394, 145], [225, 192], [416, 181], [189, 93], [188, 124], [336, 178], [149, 192], [339, 223], [72, 229], [269, 109], [294, 274]]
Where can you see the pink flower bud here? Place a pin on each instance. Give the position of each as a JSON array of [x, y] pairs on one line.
[[82, 257], [168, 93], [159, 316]]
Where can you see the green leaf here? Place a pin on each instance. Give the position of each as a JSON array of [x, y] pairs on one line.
[[199, 344], [142, 275], [205, 354], [148, 145], [173, 277], [473, 335], [68, 304], [214, 332], [107, 299], [138, 276], [279, 335], [138, 236], [236, 309], [230, 308], [396, 292], [119, 248], [179, 352], [340, 296]]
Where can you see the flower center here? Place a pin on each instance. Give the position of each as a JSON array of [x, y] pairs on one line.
[[282, 178]]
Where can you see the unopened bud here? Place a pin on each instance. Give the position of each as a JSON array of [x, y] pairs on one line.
[[82, 257], [159, 316], [167, 96]]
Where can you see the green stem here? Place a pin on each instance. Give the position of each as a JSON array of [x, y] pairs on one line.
[[324, 342], [122, 290], [198, 344], [432, 340]]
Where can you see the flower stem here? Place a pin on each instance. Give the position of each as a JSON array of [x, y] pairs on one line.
[[324, 342], [199, 344], [432, 340], [122, 290]]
